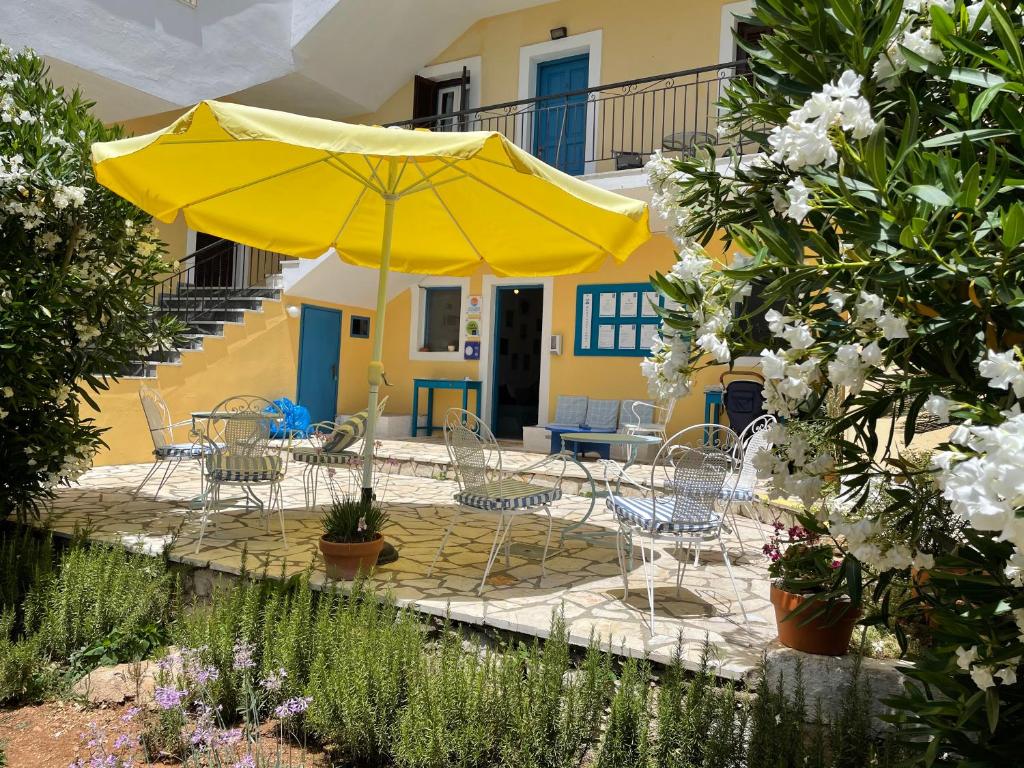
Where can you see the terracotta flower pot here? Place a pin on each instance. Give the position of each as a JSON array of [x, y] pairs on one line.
[[348, 560], [827, 634]]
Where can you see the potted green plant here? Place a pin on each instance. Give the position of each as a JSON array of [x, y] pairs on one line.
[[352, 540], [810, 616]]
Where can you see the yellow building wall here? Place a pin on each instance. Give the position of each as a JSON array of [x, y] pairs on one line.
[[258, 357], [660, 37]]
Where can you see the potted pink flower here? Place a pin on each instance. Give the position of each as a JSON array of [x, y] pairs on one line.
[[352, 539], [810, 616]]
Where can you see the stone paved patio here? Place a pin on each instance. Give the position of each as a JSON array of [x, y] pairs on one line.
[[582, 576]]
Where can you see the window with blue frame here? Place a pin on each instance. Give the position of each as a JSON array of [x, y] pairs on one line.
[[441, 308], [616, 320]]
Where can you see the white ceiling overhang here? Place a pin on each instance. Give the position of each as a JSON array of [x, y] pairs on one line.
[[331, 58]]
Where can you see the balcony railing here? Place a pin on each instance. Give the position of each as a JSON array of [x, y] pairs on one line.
[[606, 127]]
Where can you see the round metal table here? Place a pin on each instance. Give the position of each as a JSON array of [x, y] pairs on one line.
[[632, 443]]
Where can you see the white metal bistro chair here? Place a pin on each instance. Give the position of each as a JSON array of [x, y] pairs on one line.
[[486, 489], [166, 451], [752, 440], [332, 447], [242, 455], [651, 418], [687, 479]]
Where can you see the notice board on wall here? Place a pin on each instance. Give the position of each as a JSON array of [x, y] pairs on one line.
[[616, 320]]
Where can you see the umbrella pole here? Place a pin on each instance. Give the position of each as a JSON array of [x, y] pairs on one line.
[[376, 366]]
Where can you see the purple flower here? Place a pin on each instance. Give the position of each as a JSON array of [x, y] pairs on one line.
[[246, 762], [229, 737], [122, 741], [275, 680], [128, 716], [243, 656], [167, 697], [295, 706]]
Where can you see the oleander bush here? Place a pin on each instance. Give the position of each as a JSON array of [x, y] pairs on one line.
[[874, 194], [77, 268]]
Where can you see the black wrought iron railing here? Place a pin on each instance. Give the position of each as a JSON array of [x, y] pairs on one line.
[[213, 278], [606, 127]]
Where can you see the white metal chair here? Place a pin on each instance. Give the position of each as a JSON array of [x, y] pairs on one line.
[[241, 455], [752, 440], [329, 449], [165, 450], [688, 477], [651, 418], [486, 489]]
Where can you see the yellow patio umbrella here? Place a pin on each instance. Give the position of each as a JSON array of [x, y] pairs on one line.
[[391, 199]]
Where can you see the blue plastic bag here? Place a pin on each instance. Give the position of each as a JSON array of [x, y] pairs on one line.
[[296, 420]]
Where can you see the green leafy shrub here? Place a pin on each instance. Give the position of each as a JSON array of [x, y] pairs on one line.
[[26, 559], [626, 742], [25, 674], [366, 650], [348, 521], [557, 709], [699, 723], [79, 265], [100, 595], [877, 206]]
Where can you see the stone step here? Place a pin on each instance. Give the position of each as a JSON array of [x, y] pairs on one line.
[[202, 303], [257, 292]]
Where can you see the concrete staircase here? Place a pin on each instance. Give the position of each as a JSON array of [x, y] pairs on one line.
[[206, 310]]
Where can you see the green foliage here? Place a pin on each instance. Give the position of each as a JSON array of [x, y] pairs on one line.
[[24, 673], [626, 742], [891, 243], [699, 722], [100, 596], [365, 652], [26, 559], [78, 267], [353, 520]]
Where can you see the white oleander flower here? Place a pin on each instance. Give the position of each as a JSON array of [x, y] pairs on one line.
[[966, 656], [715, 346], [797, 195], [1007, 676], [837, 300], [776, 321], [872, 354], [847, 369], [691, 266], [919, 41], [773, 366], [1003, 371], [982, 677], [938, 406], [892, 326], [973, 11], [799, 336], [869, 306]]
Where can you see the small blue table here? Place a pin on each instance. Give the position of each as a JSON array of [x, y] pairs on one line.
[[466, 385]]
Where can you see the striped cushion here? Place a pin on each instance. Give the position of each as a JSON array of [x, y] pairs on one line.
[[346, 433], [571, 410], [740, 494], [244, 469], [314, 456], [602, 414], [182, 450], [638, 512], [507, 494]]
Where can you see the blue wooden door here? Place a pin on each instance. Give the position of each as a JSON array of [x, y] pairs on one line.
[[319, 352], [560, 125]]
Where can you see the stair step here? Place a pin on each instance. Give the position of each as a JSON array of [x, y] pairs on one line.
[[202, 303], [207, 327], [164, 356], [257, 292], [210, 315]]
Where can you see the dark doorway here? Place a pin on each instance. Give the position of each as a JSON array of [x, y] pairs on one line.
[[515, 392], [215, 262]]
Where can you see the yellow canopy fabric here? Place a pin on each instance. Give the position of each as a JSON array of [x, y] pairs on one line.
[[299, 186]]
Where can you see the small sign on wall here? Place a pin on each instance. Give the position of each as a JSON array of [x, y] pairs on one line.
[[472, 350]]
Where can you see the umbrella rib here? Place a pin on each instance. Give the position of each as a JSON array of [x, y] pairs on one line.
[[447, 210], [349, 215], [533, 210], [373, 172], [351, 172], [426, 177], [252, 183]]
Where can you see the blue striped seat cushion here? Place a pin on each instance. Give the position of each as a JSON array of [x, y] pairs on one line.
[[314, 456], [182, 450], [507, 494], [244, 469], [639, 511]]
